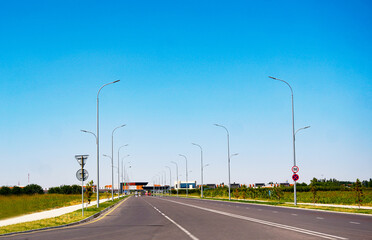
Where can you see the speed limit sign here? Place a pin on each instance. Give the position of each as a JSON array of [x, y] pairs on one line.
[[295, 169]]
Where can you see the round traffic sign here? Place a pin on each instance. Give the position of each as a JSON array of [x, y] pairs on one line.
[[295, 177], [82, 176], [295, 169]]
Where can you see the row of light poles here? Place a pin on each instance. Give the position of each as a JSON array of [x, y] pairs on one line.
[[230, 156], [112, 147], [218, 125]]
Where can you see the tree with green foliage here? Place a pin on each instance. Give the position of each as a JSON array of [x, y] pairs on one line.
[[236, 193], [89, 191], [358, 192], [33, 189], [17, 190], [278, 192], [314, 189], [4, 190], [54, 190]]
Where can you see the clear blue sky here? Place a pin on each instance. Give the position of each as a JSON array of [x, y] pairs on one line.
[[183, 67]]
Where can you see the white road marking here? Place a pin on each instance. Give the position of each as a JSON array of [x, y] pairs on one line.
[[294, 214], [247, 207], [259, 209], [179, 226], [319, 218], [275, 212], [255, 220], [354, 222]]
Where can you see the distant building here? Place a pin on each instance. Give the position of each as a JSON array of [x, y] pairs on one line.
[[132, 186], [183, 185], [234, 185], [259, 185], [211, 186]]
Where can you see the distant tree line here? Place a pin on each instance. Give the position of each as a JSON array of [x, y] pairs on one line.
[[29, 189], [65, 189], [328, 185], [36, 189]]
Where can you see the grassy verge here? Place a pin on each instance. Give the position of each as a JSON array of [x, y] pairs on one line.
[[12, 206], [57, 221], [275, 203]]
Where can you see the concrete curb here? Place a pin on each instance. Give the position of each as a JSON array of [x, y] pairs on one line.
[[69, 224]]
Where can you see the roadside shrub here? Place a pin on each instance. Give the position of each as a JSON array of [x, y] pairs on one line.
[[17, 190], [53, 190], [75, 189], [358, 192], [33, 189], [5, 190]]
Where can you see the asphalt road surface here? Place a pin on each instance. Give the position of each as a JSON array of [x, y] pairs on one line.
[[177, 218]]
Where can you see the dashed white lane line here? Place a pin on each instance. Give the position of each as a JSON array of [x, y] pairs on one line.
[[294, 214], [273, 224], [179, 226], [275, 212], [259, 209], [247, 208], [354, 222], [319, 218]]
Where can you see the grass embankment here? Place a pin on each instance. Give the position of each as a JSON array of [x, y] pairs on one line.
[[324, 197], [330, 197], [12, 206], [57, 221]]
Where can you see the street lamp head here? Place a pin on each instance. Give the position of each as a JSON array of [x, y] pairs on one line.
[[217, 125], [306, 127], [84, 131], [273, 78], [116, 81], [123, 125]]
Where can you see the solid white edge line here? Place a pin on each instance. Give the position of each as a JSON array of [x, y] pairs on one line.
[[179, 226], [278, 225]]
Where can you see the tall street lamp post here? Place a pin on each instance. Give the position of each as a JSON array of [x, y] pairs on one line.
[[176, 174], [170, 179], [112, 159], [293, 135], [201, 164], [121, 192], [228, 155], [98, 138], [112, 172], [119, 187], [187, 176], [123, 170], [164, 180]]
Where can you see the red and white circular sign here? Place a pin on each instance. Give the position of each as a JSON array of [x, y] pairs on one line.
[[295, 169]]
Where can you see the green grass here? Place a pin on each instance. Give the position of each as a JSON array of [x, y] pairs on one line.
[[12, 206], [282, 203], [57, 221], [330, 197]]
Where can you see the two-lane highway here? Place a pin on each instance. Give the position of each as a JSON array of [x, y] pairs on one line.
[[178, 218]]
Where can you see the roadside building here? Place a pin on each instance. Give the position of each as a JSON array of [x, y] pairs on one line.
[[183, 185]]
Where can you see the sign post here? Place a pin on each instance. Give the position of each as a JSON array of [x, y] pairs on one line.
[[295, 177], [82, 175], [295, 169]]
